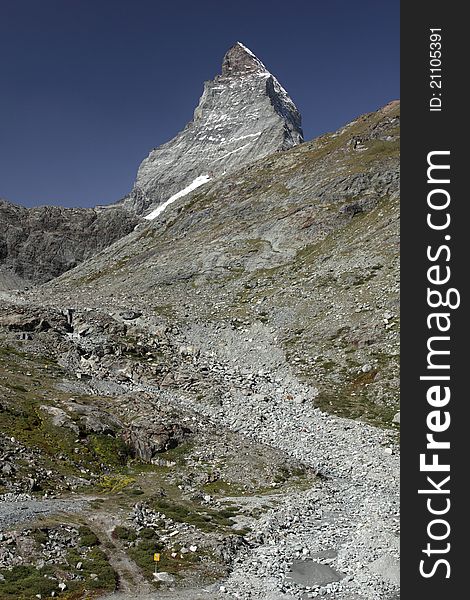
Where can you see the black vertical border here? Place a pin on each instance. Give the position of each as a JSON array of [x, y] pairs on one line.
[[422, 132]]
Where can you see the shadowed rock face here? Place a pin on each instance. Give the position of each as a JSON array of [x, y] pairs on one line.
[[243, 115], [37, 244], [240, 61]]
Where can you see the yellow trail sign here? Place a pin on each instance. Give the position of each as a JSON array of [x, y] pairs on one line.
[[156, 557]]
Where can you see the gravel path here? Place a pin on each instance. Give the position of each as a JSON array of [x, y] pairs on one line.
[[130, 575], [25, 511], [184, 594]]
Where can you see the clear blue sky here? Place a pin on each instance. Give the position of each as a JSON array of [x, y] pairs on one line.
[[89, 87]]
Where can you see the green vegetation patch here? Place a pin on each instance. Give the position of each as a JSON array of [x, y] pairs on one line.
[[29, 382], [25, 582], [204, 518], [95, 576]]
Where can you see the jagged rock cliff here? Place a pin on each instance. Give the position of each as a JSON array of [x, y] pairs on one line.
[[37, 244], [243, 115]]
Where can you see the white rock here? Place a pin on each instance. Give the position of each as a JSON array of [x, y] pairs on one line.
[[164, 577]]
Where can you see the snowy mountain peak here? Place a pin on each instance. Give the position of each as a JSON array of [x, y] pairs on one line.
[[240, 60], [243, 115]]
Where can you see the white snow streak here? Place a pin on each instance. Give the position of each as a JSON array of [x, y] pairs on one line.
[[247, 50], [233, 151], [243, 137], [201, 180]]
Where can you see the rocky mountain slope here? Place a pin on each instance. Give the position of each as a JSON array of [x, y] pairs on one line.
[[302, 244], [184, 391], [244, 114], [174, 390], [38, 244]]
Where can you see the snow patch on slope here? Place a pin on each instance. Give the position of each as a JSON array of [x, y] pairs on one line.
[[201, 180], [233, 151], [243, 137]]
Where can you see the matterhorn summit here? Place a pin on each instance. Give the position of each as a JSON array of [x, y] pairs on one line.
[[243, 115]]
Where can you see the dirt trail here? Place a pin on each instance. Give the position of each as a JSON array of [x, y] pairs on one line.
[[131, 580], [184, 594]]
